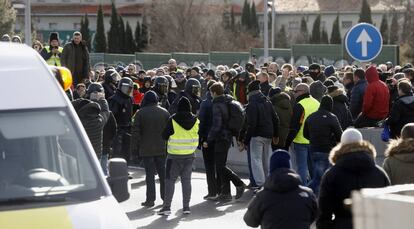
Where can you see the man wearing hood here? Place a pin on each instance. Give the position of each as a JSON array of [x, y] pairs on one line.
[[353, 168], [323, 130], [317, 90], [262, 128], [376, 101], [305, 106], [147, 143], [316, 73], [181, 132], [283, 203], [402, 112], [340, 106]]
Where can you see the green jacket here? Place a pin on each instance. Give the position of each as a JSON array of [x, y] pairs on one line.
[[78, 67], [399, 163], [282, 106]]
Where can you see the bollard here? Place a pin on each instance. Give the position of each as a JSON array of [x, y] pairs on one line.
[[118, 178]]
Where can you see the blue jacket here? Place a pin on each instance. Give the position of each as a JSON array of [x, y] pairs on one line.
[[205, 116], [357, 98]]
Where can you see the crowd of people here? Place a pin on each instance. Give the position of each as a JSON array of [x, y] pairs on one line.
[[297, 125]]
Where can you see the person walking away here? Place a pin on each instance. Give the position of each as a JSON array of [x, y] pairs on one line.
[[147, 143], [305, 106], [283, 108], [75, 56], [340, 106], [121, 106], [357, 93], [182, 135], [53, 52], [284, 202], [262, 128], [353, 168], [399, 161], [323, 131]]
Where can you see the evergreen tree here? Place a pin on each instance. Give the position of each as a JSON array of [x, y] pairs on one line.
[[384, 29], [245, 18], [100, 38], [394, 30], [316, 31], [85, 31], [303, 36], [144, 34], [254, 23], [121, 35], [365, 15], [113, 34], [281, 38], [336, 32], [407, 22], [324, 37], [232, 21], [129, 40], [7, 17], [137, 37]]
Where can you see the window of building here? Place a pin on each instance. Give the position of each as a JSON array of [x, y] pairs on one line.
[[76, 26], [293, 25], [346, 24], [53, 25]]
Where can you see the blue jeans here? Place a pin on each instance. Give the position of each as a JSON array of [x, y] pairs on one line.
[[104, 163], [260, 153], [249, 163], [300, 161], [320, 165]]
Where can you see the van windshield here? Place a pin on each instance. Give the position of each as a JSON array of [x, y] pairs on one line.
[[43, 158]]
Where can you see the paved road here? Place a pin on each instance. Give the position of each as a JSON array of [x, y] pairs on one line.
[[204, 214]]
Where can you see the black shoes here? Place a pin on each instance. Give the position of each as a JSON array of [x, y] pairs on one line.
[[210, 197], [186, 210], [148, 204], [166, 211], [239, 191], [223, 198]]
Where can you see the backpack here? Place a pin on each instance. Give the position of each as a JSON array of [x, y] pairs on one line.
[[236, 117]]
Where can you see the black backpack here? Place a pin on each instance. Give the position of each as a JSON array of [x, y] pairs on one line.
[[236, 117]]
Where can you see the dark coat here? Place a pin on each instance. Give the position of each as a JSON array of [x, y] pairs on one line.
[[357, 98], [262, 120], [341, 109], [93, 117], [283, 203], [109, 90], [205, 116], [148, 125], [402, 112], [265, 88], [282, 106], [194, 101], [323, 131], [121, 106], [354, 168], [399, 163], [79, 68], [109, 133], [219, 130], [239, 88]]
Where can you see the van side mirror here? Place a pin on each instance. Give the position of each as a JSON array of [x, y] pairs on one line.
[[118, 178]]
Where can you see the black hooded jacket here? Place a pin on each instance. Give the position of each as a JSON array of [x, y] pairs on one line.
[[262, 120], [341, 109], [283, 203], [402, 112], [219, 130]]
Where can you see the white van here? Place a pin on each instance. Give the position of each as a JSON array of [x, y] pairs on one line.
[[49, 174]]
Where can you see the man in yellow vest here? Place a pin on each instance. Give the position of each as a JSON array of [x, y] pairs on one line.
[[182, 135], [305, 106], [53, 51]]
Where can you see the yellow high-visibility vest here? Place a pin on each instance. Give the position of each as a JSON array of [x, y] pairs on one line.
[[310, 105], [54, 60], [183, 142]]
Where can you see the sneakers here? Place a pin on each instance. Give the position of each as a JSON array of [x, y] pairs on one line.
[[239, 191], [223, 198], [210, 197], [186, 210], [148, 204], [252, 186], [164, 211]]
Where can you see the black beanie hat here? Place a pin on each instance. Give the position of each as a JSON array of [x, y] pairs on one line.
[[314, 66], [280, 159], [184, 105], [254, 86], [274, 91], [326, 103], [53, 36], [328, 83]]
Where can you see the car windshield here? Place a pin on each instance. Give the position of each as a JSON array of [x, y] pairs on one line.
[[43, 158]]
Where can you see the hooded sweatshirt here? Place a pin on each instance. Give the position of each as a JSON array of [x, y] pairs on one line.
[[377, 96]]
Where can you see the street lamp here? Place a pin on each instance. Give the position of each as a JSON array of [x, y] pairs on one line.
[[27, 21]]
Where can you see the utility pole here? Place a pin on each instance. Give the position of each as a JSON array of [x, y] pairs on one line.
[[273, 23], [27, 24], [265, 31]]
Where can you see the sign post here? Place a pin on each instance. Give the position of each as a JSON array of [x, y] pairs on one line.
[[363, 42]]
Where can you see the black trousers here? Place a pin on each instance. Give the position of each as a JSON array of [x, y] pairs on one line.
[[225, 174], [213, 182], [151, 165], [363, 121], [122, 145]]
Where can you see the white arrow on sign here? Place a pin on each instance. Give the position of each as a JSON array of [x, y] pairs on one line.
[[364, 38]]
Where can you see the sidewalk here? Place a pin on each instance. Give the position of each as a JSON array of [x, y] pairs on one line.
[[203, 213]]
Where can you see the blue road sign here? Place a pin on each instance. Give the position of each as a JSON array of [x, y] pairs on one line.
[[363, 42]]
